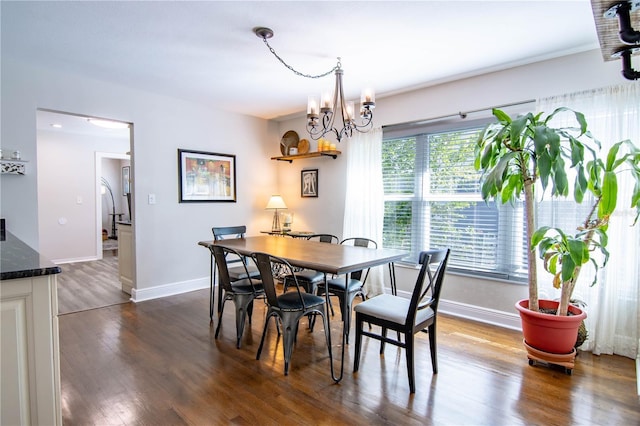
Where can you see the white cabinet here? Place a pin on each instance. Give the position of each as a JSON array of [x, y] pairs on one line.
[[125, 256], [30, 351]]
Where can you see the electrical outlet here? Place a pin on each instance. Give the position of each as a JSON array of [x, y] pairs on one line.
[[78, 200], [152, 198]]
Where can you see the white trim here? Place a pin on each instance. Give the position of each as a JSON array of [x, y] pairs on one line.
[[475, 313], [74, 260], [149, 293], [484, 315]]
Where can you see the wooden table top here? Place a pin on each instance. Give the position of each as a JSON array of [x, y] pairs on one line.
[[324, 257]]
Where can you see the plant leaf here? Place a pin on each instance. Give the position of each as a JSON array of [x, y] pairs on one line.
[[578, 251], [609, 195], [568, 266], [544, 169]]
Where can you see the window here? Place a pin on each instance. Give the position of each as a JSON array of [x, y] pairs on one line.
[[432, 199]]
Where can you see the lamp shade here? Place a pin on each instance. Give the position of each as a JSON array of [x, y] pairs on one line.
[[276, 202]]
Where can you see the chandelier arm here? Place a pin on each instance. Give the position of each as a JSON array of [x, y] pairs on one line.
[[339, 103], [272, 50]]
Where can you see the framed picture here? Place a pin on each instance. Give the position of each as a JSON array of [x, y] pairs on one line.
[[309, 183], [206, 176], [126, 188]]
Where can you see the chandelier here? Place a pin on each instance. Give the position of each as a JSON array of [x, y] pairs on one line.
[[321, 116]]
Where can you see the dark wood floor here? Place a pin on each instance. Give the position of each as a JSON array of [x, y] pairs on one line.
[[90, 285], [157, 363]]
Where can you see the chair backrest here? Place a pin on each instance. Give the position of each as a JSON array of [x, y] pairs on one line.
[[360, 242], [264, 261], [324, 238], [220, 255], [426, 293], [222, 232]]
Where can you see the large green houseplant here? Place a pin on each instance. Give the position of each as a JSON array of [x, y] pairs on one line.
[[514, 153]]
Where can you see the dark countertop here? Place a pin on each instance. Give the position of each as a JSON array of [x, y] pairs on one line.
[[18, 260]]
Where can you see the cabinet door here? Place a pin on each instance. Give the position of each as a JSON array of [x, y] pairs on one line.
[[30, 352]]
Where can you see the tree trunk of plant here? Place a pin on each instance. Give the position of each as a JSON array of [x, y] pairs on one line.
[[529, 205], [565, 296]]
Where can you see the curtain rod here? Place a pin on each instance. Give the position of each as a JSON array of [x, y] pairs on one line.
[[460, 114]]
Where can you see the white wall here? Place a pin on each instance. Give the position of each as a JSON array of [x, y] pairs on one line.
[[479, 298], [67, 192], [166, 233]]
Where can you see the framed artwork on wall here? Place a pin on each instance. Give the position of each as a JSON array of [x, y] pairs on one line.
[[126, 182], [309, 183], [206, 176]]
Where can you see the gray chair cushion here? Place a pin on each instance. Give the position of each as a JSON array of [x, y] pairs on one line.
[[391, 308]]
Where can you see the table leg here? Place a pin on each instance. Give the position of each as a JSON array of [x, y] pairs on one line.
[[212, 300]]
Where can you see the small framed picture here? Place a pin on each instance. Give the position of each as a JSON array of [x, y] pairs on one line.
[[126, 180], [309, 183], [206, 176]]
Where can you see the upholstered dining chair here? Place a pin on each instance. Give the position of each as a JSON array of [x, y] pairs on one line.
[[243, 291], [240, 267], [347, 288], [406, 316], [288, 308], [310, 279]]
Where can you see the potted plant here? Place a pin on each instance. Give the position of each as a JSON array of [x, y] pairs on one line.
[[516, 153]]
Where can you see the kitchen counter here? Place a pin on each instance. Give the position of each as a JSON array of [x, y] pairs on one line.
[[18, 260]]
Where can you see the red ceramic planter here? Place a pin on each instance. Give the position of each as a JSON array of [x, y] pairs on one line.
[[550, 333]]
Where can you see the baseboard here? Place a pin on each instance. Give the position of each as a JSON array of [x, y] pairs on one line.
[[480, 314], [148, 293], [476, 313], [74, 260]]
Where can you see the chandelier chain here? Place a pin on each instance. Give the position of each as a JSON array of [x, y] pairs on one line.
[[272, 50]]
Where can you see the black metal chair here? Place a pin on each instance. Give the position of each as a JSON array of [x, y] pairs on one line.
[[310, 279], [240, 268], [288, 308], [347, 288], [243, 292], [406, 316]]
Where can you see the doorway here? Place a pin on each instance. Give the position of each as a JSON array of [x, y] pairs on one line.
[[72, 157]]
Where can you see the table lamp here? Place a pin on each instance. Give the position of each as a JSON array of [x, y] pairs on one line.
[[276, 202]]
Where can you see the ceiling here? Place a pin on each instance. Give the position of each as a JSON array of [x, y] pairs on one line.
[[206, 51]]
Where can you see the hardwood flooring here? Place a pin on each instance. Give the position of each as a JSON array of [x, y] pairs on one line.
[[90, 285], [157, 363]]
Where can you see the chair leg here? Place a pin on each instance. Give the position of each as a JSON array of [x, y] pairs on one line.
[[250, 310], [289, 328], [356, 356], [264, 333], [410, 366], [243, 308], [384, 335], [221, 303], [433, 348]]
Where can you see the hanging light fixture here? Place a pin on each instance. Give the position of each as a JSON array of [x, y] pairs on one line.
[[321, 116]]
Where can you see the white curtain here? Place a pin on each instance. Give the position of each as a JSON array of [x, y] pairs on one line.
[[612, 114], [364, 197]]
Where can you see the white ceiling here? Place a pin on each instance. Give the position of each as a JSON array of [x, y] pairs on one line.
[[206, 51]]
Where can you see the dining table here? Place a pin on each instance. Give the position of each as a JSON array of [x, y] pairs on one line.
[[332, 259]]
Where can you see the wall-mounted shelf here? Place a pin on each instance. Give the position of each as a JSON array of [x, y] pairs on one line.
[[290, 158], [12, 167]]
